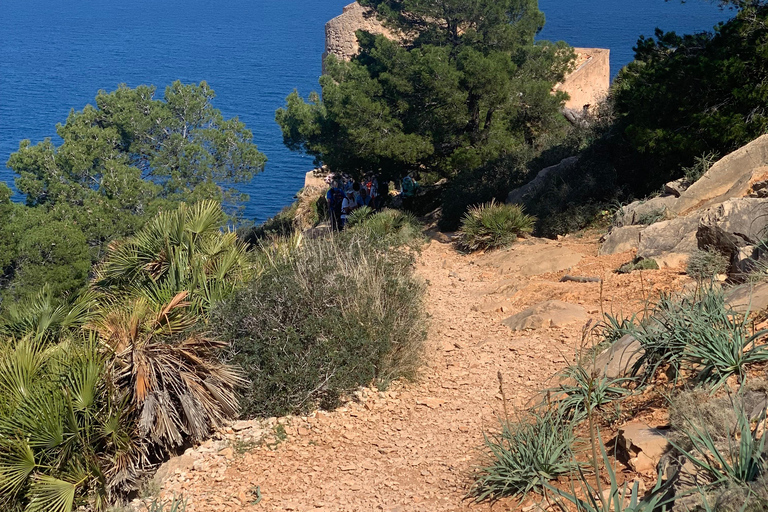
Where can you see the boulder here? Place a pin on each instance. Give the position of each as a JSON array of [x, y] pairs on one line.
[[677, 187], [730, 177], [748, 297], [553, 313], [621, 239], [173, 466], [747, 217], [646, 212], [644, 446], [669, 242], [530, 189], [617, 360]]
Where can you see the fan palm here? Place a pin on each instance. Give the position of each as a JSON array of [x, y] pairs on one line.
[[46, 318], [63, 438], [165, 369], [181, 250]]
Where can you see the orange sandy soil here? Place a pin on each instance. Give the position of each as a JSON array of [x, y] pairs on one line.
[[413, 447]]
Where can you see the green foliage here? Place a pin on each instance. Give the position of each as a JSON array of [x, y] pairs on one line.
[[686, 96], [701, 333], [705, 265], [470, 85], [183, 250], [582, 393], [699, 168], [387, 228], [524, 456], [131, 155], [741, 460], [359, 216], [613, 328], [325, 316], [638, 264], [175, 505], [46, 318], [493, 225], [64, 438]]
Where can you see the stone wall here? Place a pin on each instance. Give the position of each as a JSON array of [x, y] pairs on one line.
[[340, 39], [586, 85]]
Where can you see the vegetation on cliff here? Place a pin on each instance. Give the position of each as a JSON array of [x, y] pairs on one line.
[[469, 85], [120, 162]]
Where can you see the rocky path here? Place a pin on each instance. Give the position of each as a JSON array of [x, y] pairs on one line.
[[412, 448]]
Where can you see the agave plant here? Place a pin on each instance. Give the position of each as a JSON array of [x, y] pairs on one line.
[[64, 440], [180, 250], [165, 369]]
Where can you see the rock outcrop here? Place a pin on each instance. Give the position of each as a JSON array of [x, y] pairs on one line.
[[726, 203], [340, 38], [530, 189]]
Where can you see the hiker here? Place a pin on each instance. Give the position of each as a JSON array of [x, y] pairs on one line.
[[348, 205], [409, 186], [334, 197], [364, 199]]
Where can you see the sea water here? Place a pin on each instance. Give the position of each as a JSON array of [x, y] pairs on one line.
[[56, 54]]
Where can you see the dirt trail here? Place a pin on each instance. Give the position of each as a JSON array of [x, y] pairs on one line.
[[413, 447]]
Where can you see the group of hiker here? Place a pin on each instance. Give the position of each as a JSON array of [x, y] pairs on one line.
[[345, 195]]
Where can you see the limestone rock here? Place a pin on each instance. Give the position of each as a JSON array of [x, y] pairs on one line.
[[519, 195], [646, 212], [643, 445], [730, 177], [553, 313], [173, 466], [677, 187], [669, 242], [313, 179], [340, 37], [749, 297], [533, 259], [621, 239], [617, 360]]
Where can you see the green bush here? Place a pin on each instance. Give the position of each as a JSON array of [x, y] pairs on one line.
[[493, 225], [359, 216], [719, 435], [638, 264], [322, 319], [705, 265], [524, 456], [387, 228]]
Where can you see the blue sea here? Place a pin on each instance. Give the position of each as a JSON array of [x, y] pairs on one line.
[[56, 54]]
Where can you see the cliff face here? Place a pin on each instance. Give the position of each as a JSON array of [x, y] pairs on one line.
[[340, 39], [587, 84]]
